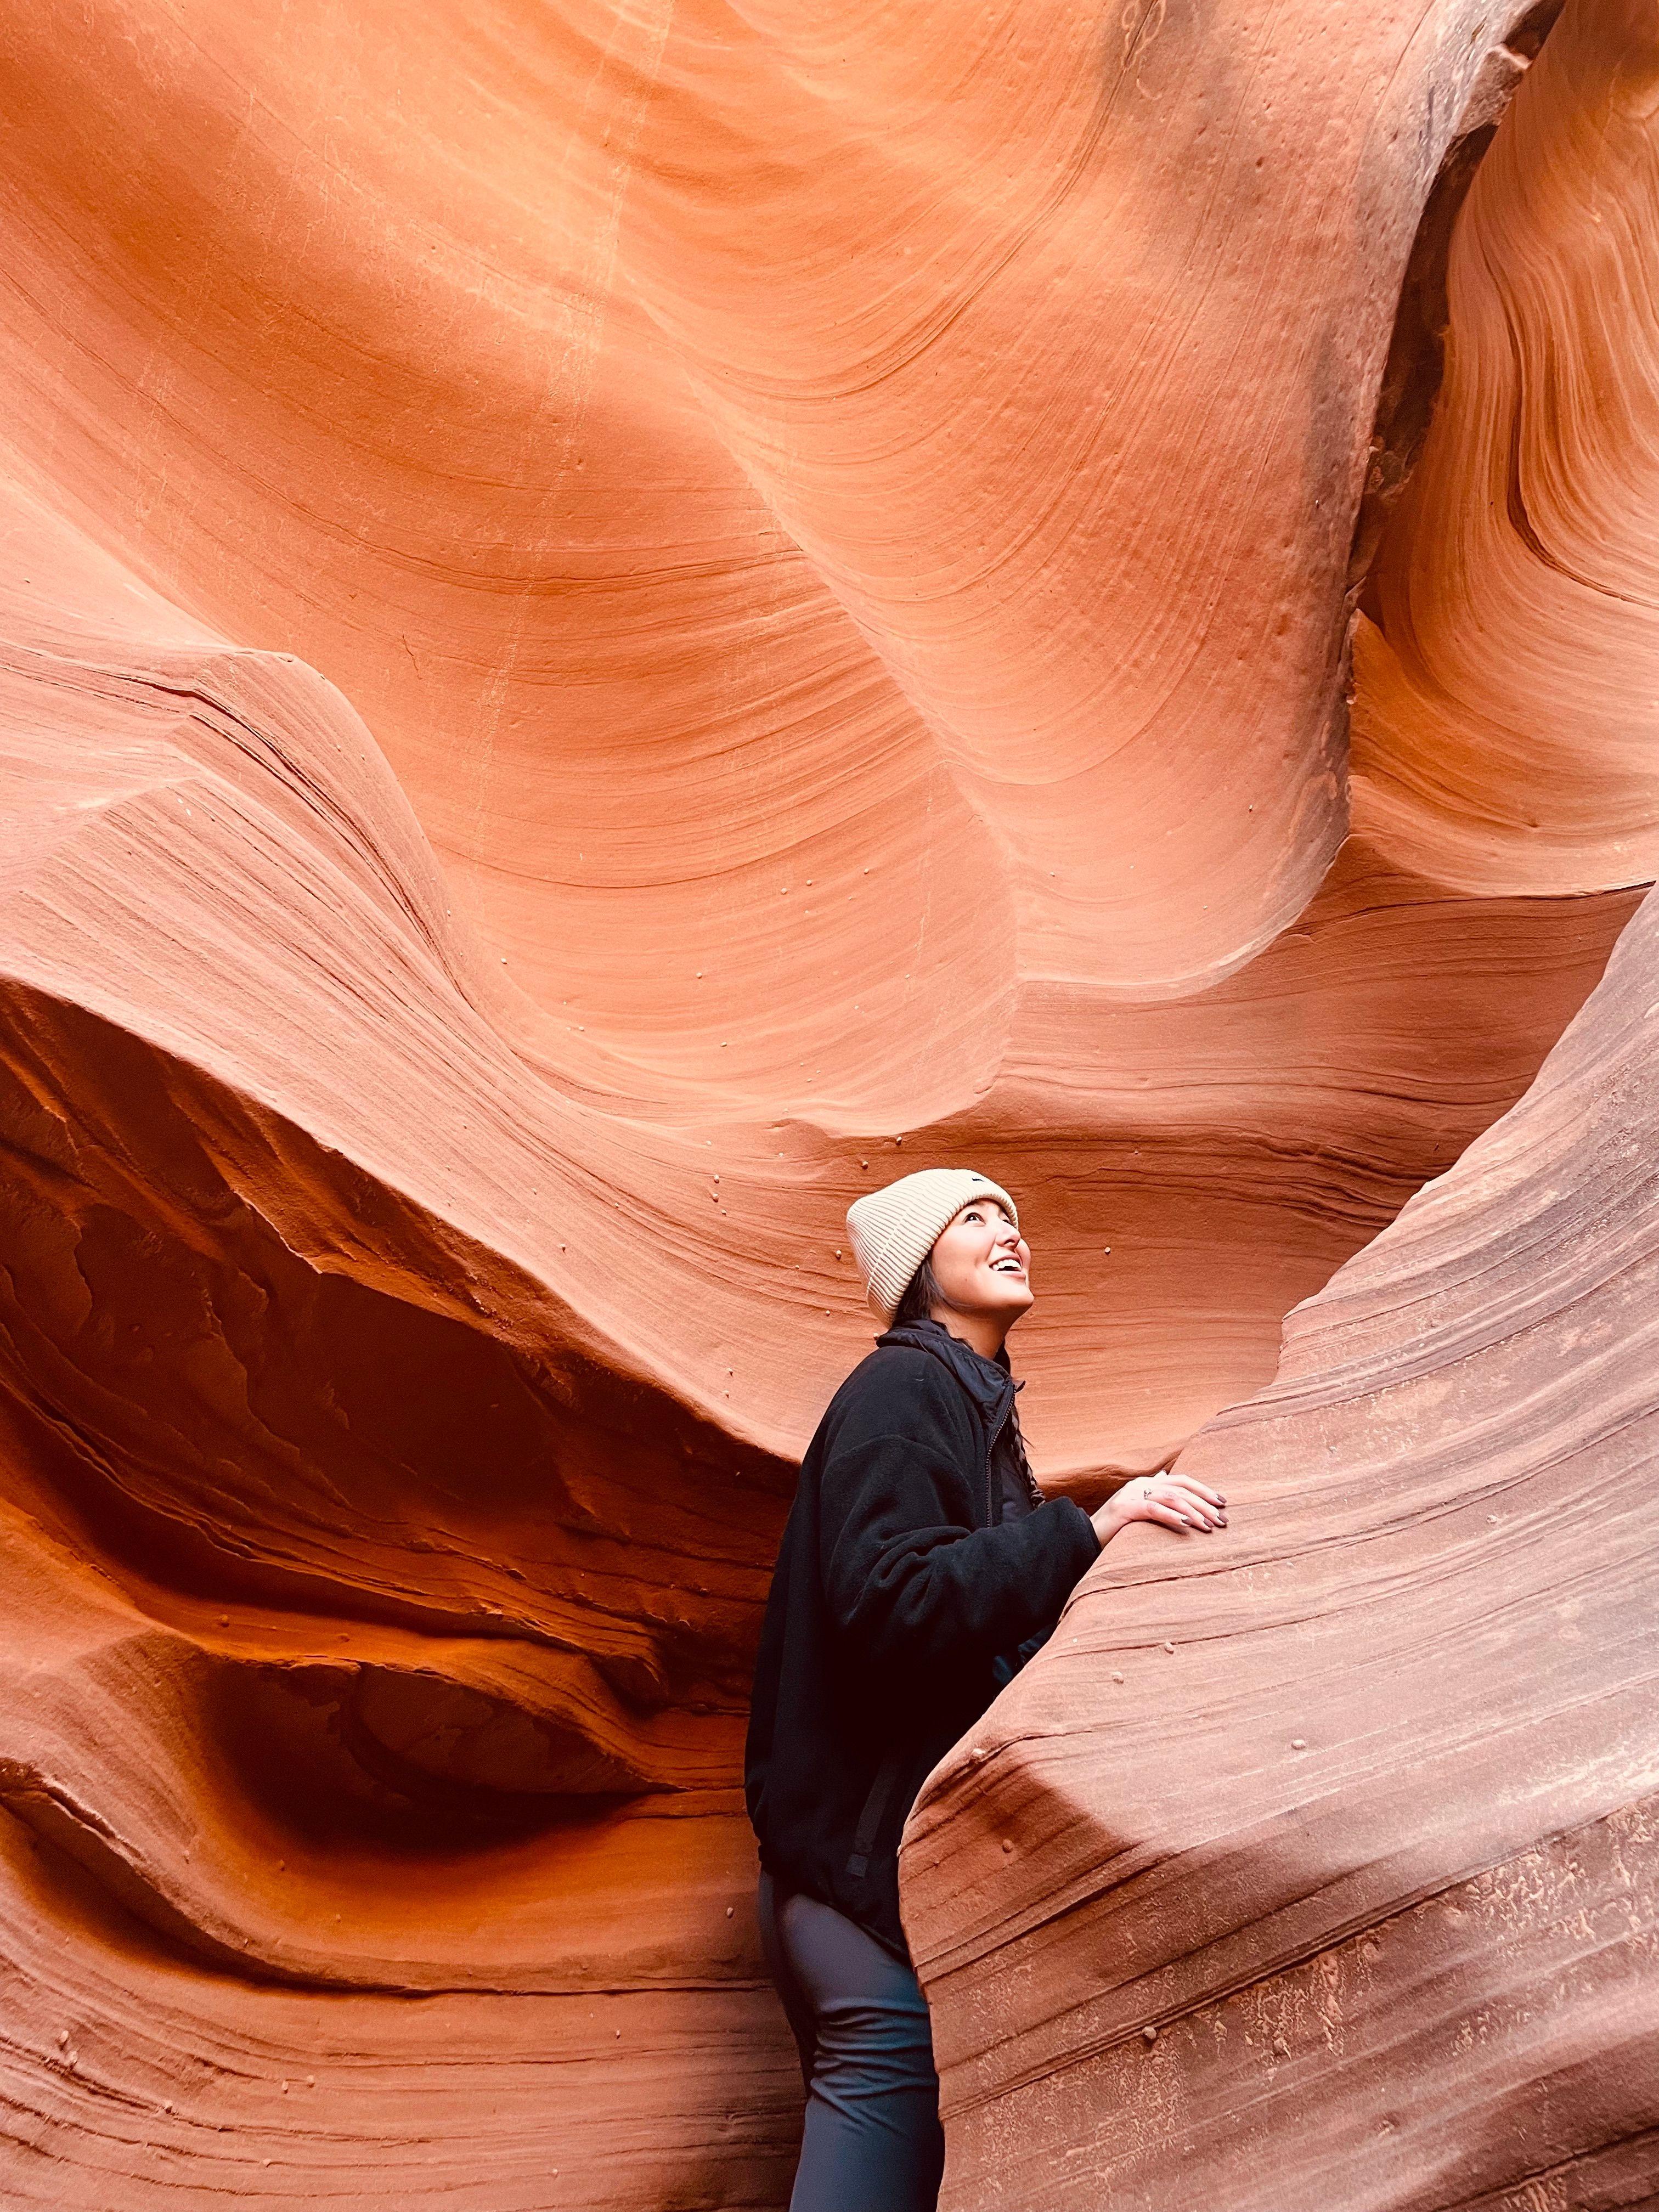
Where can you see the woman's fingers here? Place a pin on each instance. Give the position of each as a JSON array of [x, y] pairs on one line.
[[1171, 1515], [1182, 1501], [1194, 1497], [1190, 1482], [1187, 1504], [1174, 1501]]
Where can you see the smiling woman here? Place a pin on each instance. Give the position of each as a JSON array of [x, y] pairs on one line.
[[921, 1568], [980, 1269]]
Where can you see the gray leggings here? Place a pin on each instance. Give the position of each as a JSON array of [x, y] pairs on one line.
[[872, 2141]]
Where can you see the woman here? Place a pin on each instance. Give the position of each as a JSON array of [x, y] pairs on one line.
[[920, 1569]]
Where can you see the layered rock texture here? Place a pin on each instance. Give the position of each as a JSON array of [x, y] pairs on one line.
[[1321, 1870], [618, 622]]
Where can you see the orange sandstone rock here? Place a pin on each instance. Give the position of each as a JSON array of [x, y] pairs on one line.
[[1335, 1838], [615, 624], [1505, 722]]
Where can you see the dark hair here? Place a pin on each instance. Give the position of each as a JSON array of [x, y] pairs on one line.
[[922, 1294]]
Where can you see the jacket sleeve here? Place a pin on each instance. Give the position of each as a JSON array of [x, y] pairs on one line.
[[908, 1578]]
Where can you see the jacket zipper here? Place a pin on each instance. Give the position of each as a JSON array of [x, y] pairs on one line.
[[990, 1449]]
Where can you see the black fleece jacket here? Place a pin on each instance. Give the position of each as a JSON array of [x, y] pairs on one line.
[[902, 1602]]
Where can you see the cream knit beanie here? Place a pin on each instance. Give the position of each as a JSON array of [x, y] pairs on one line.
[[894, 1230]]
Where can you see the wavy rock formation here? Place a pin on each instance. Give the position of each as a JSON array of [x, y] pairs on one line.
[[1503, 737], [1320, 1868], [614, 625]]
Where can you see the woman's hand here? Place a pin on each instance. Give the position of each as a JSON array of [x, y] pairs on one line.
[[1176, 1500]]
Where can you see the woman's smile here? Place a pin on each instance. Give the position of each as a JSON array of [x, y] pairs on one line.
[[981, 1272]]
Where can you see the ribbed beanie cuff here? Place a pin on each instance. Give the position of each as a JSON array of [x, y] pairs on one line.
[[895, 1229]]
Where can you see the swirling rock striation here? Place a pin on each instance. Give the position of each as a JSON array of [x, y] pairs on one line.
[[1321, 1867], [1504, 728], [613, 624]]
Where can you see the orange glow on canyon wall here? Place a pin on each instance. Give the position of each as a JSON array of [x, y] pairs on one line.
[[623, 619]]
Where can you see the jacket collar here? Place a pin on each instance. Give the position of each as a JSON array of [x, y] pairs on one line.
[[988, 1384]]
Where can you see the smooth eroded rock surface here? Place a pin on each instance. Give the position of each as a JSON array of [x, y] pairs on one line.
[[616, 623], [1314, 1861]]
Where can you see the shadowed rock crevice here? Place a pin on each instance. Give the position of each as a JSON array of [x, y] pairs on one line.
[[1416, 360]]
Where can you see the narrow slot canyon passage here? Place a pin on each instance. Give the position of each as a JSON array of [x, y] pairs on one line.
[[615, 626]]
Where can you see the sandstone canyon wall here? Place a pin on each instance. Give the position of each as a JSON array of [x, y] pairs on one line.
[[619, 621], [1322, 1872]]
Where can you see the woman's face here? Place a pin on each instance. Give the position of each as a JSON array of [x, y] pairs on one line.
[[983, 1264]]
